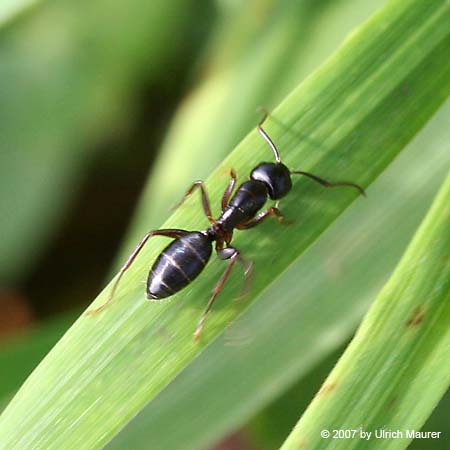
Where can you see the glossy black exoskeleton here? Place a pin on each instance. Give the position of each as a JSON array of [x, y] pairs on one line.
[[187, 255]]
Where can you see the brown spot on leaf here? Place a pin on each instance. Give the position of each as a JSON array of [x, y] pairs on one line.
[[416, 318], [164, 333], [391, 403], [326, 389]]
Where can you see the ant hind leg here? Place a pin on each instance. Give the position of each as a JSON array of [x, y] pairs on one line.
[[172, 233], [233, 255]]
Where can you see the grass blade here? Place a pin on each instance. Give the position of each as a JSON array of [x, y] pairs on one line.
[[233, 379], [265, 60], [398, 366]]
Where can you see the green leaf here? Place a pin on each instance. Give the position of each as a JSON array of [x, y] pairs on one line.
[[264, 59], [314, 306], [398, 366], [106, 368], [19, 355]]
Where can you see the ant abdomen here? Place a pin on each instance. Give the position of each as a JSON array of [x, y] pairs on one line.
[[178, 264]]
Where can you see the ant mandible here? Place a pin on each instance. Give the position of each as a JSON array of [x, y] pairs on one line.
[[187, 255]]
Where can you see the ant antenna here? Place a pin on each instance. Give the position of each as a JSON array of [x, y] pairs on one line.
[[265, 135], [327, 183]]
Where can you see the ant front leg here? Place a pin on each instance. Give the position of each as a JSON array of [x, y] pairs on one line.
[[274, 211], [205, 201], [233, 255], [229, 190], [172, 233]]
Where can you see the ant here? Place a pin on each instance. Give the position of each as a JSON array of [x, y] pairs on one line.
[[185, 257]]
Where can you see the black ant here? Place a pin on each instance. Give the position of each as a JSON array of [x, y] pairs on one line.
[[185, 257]]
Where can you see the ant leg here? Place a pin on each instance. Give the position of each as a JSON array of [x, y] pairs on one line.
[[329, 183], [248, 275], [274, 211], [229, 190], [233, 255], [205, 202], [216, 291], [168, 233]]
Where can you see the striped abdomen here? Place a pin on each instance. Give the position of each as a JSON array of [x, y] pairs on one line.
[[178, 264]]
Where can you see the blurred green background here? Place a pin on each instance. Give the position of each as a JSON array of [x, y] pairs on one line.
[[107, 107]]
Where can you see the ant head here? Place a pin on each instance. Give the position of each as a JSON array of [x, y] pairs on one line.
[[276, 176]]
